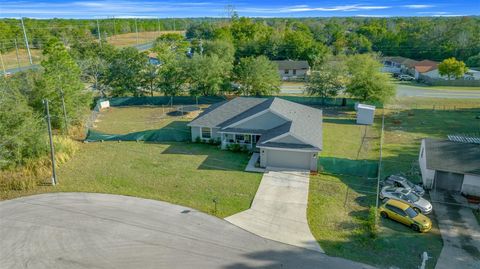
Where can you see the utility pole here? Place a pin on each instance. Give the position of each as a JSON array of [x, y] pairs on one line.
[[379, 164], [52, 150], [114, 30], [99, 36], [26, 42], [136, 29], [16, 51], [3, 65], [64, 112]]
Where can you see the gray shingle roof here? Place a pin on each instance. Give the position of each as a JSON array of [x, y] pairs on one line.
[[449, 156], [213, 117], [290, 64], [303, 122]]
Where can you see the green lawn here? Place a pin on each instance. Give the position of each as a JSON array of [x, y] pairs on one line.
[[338, 204], [123, 120], [404, 129], [181, 173], [337, 213]]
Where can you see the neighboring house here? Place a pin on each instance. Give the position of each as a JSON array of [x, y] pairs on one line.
[[472, 74], [428, 69], [399, 65], [450, 165], [290, 70], [287, 134]]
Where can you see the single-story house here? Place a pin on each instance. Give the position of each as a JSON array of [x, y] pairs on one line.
[[427, 68], [287, 134], [290, 69], [399, 65], [451, 165], [472, 74]]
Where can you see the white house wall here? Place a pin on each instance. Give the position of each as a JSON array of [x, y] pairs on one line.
[[195, 132], [428, 175], [471, 185], [264, 121]]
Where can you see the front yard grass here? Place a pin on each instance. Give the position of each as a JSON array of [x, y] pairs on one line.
[[338, 204], [124, 120], [337, 215], [187, 174]]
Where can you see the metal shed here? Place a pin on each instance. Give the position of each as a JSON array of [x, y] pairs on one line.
[[365, 114]]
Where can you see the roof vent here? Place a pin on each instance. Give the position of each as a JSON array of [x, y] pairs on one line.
[[464, 139]]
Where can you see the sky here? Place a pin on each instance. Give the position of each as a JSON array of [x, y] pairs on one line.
[[250, 8]]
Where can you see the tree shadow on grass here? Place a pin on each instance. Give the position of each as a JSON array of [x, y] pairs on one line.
[[216, 159], [174, 131]]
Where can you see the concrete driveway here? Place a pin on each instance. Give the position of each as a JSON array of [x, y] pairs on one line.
[[460, 233], [82, 230], [279, 209]]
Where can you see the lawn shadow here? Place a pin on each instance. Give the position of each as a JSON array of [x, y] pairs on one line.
[[341, 121], [216, 159], [174, 131]]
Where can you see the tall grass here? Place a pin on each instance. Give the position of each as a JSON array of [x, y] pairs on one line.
[[35, 172]]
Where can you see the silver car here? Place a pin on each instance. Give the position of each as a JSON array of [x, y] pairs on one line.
[[418, 203], [401, 182]]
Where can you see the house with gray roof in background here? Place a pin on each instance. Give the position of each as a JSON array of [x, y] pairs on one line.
[[293, 70], [286, 134], [451, 165]]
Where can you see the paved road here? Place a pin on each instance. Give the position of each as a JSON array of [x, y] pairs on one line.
[[413, 91], [279, 210], [406, 91], [80, 230]]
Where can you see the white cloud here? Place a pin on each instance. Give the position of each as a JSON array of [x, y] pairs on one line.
[[418, 6], [372, 16], [306, 8]]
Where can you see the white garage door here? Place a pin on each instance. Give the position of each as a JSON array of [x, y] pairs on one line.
[[288, 159]]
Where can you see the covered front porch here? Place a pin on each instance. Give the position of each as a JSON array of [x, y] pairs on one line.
[[243, 139]]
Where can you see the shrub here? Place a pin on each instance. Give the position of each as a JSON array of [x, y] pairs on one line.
[[372, 223], [198, 140]]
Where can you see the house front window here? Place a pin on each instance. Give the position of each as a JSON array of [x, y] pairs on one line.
[[206, 132], [286, 71], [294, 71]]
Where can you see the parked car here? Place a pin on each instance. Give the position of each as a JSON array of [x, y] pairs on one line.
[[405, 78], [418, 203], [402, 182], [404, 213]]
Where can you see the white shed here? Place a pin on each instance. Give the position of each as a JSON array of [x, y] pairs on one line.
[[365, 114]]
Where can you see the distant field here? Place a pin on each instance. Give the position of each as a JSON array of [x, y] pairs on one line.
[[10, 58], [130, 39], [122, 40]]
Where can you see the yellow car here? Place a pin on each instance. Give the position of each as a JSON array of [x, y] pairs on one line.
[[404, 213]]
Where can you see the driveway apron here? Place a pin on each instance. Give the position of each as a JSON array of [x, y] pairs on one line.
[[279, 209], [460, 233]]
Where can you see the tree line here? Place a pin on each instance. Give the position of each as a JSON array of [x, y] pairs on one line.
[[419, 38], [67, 30]]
